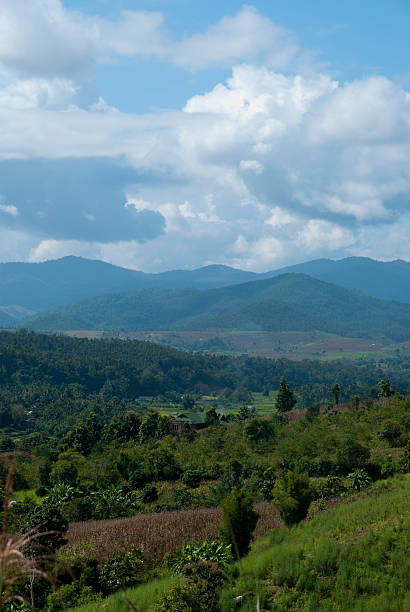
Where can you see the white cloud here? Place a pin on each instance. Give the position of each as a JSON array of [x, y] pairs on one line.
[[323, 235], [41, 38], [251, 165], [9, 209], [262, 170]]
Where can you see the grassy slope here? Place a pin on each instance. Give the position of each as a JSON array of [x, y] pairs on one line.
[[354, 557]]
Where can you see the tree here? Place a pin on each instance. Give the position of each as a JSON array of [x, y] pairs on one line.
[[211, 417], [259, 430], [46, 519], [239, 521], [285, 399], [336, 392], [385, 389], [292, 496], [351, 455]]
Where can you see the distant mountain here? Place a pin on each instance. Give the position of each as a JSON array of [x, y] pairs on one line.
[[388, 280], [287, 302], [45, 286], [41, 286]]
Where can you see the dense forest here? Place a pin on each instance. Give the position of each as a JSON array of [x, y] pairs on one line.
[[295, 302], [112, 496], [59, 379]]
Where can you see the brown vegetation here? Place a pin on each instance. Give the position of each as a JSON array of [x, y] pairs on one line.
[[157, 533]]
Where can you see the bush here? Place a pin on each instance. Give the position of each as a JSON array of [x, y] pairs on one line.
[[208, 550], [360, 479], [137, 479], [292, 496], [239, 521], [149, 494], [331, 487], [192, 478], [47, 519], [121, 570], [196, 593]]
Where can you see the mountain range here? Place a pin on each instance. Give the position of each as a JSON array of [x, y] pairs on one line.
[[26, 288], [290, 301]]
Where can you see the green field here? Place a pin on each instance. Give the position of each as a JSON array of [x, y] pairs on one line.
[[276, 345]]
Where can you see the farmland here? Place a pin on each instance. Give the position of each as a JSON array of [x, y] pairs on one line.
[[157, 533], [274, 345]]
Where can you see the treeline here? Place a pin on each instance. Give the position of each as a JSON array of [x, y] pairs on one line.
[[58, 379]]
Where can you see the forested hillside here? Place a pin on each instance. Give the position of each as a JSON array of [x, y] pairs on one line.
[[294, 302], [388, 280], [65, 378], [40, 286]]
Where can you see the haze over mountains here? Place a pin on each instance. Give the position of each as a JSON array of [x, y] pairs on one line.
[[87, 294], [287, 302], [41, 286]]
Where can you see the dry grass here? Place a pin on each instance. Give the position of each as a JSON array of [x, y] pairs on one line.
[[156, 533], [14, 561]]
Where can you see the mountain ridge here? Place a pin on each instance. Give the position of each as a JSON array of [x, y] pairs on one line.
[[48, 285], [290, 301]]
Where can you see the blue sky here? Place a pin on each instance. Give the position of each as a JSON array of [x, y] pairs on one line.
[[353, 39], [164, 134]]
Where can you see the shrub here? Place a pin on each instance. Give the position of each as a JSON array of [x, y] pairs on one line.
[[331, 487], [239, 521], [192, 478], [208, 550], [149, 494], [137, 478], [360, 479], [292, 496], [47, 519], [121, 570], [196, 593]]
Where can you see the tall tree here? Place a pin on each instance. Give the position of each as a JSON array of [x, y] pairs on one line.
[[336, 392], [285, 400]]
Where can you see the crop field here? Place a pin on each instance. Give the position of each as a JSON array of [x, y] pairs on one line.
[[289, 345], [157, 533]]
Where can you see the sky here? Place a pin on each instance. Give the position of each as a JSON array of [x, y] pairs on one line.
[[163, 134]]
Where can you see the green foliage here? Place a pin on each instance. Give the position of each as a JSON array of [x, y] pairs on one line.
[[312, 412], [121, 570], [285, 399], [63, 473], [149, 494], [192, 478], [259, 430], [211, 417], [385, 389], [196, 593], [336, 392], [333, 486], [208, 550], [239, 521], [360, 479], [350, 455], [292, 495], [46, 519], [352, 558]]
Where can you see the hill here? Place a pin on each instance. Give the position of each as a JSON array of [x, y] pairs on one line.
[[387, 280], [41, 286], [288, 302], [47, 285]]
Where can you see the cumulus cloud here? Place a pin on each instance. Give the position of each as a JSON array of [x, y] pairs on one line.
[[9, 209], [41, 38], [267, 168]]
